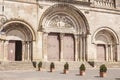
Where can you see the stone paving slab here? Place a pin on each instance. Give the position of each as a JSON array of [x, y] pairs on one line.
[[91, 74]]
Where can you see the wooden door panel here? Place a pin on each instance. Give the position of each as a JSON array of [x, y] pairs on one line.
[[11, 51], [68, 48], [53, 47], [101, 52]]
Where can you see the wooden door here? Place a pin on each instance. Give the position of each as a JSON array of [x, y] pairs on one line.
[[53, 47], [68, 52], [11, 51], [101, 52]]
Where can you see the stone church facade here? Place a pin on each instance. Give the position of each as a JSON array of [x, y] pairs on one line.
[[60, 30]]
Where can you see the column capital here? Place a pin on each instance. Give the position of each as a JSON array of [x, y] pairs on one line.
[[76, 36], [62, 35], [45, 34], [6, 42]]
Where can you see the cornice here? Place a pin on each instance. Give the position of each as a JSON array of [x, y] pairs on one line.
[[84, 3]]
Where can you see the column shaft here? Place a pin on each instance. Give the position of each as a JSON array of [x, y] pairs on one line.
[[111, 48], [6, 51], [61, 47], [76, 48], [23, 51], [81, 48], [28, 48]]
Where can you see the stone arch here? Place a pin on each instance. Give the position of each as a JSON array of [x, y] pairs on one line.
[[17, 38], [25, 26], [77, 17], [112, 32], [106, 41]]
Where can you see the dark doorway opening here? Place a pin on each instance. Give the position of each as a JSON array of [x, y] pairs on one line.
[[18, 50]]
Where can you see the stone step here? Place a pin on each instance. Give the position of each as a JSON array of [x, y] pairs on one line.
[[60, 65], [17, 66], [108, 64]]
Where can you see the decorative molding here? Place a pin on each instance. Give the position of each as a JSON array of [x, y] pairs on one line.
[[104, 3], [3, 19], [78, 2]]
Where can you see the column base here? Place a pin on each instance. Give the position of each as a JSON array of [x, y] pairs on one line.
[[5, 59], [62, 60]]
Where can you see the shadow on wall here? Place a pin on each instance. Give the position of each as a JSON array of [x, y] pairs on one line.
[[117, 78]]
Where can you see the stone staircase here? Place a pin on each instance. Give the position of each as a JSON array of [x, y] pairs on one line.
[[19, 65], [16, 66], [108, 64], [60, 65]]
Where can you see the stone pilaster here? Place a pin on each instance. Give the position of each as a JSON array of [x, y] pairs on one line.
[[6, 51], [76, 48], [1, 49], [45, 37]]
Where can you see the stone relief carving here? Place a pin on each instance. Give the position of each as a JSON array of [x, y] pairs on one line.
[[60, 21], [3, 19]]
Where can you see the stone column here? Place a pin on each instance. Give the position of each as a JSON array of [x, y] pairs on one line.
[[45, 37], [84, 46], [111, 48], [23, 51], [28, 48], [84, 49], [106, 52], [81, 48], [76, 47], [26, 51], [61, 47], [1, 50], [6, 51]]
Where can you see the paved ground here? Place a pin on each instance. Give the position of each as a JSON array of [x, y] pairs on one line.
[[91, 74]]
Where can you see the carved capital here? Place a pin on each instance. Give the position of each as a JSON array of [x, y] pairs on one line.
[[62, 36]]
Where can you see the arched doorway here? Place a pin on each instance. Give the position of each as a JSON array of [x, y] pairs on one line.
[[18, 37], [106, 44], [72, 29]]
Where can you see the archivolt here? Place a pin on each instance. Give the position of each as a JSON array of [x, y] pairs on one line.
[[27, 29], [73, 12], [111, 32]]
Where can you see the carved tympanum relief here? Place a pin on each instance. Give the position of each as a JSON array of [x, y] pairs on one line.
[[60, 21]]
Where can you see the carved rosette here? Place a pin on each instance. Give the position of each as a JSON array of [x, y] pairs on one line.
[[3, 19]]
